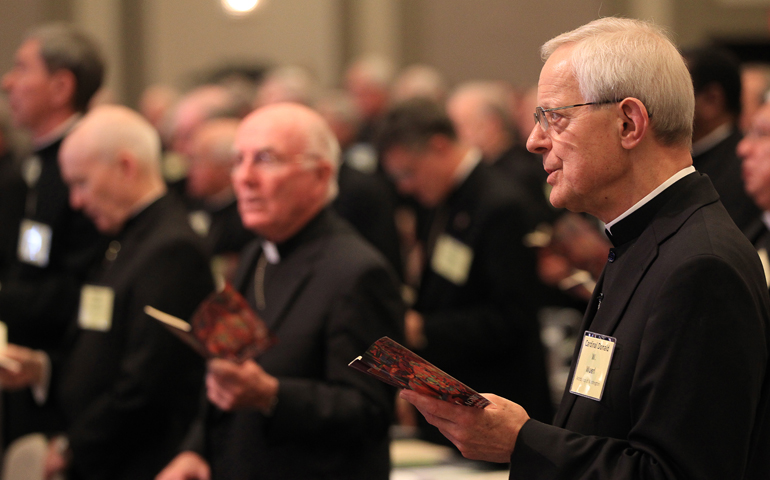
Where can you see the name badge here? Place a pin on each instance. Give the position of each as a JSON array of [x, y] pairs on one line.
[[592, 366], [200, 221], [452, 259], [34, 243], [96, 308]]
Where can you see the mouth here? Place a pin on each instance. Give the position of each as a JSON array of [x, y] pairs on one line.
[[251, 203], [551, 180]]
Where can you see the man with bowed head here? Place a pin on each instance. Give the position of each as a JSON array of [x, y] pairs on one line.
[[669, 378], [125, 386], [298, 411]]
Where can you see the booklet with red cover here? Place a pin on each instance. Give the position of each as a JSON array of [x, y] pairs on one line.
[[223, 326], [400, 367]]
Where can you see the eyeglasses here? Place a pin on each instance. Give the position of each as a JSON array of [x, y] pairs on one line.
[[542, 119], [269, 159], [757, 133]]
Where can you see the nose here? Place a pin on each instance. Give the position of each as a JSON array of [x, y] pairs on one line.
[[6, 81], [744, 147], [538, 141]]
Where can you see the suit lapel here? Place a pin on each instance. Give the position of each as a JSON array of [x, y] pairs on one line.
[[286, 280], [568, 400]]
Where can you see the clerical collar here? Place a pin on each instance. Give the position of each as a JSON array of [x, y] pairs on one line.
[[712, 139], [272, 254], [57, 133], [633, 221], [313, 229]]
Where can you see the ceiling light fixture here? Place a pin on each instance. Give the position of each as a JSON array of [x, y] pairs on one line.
[[238, 8]]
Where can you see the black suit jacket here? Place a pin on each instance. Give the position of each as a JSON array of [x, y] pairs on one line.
[[129, 393], [686, 395], [722, 165], [485, 331], [368, 202], [37, 303], [226, 233], [328, 299]]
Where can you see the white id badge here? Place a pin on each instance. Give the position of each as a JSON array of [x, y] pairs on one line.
[[452, 259], [96, 308], [200, 221], [593, 365], [34, 243]]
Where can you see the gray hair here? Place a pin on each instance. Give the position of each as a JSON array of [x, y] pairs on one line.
[[615, 58], [321, 141], [62, 47]]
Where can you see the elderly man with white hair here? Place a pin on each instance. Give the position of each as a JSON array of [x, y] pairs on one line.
[[125, 386], [298, 411], [669, 378]]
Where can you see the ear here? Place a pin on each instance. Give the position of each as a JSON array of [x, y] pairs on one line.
[[126, 163], [62, 86], [323, 171], [635, 122]]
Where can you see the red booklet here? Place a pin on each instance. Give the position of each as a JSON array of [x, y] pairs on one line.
[[400, 367], [223, 326]]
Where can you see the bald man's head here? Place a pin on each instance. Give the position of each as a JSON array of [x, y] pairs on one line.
[[286, 169], [110, 162]]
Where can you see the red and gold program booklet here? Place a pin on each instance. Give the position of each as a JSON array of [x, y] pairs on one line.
[[400, 367], [223, 326]]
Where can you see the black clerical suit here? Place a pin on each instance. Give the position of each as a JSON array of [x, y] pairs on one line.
[[330, 296], [723, 166], [686, 394], [224, 232], [38, 302], [129, 391], [483, 329], [368, 202]]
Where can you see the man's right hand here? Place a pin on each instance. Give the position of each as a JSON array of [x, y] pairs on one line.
[[186, 466], [23, 368]]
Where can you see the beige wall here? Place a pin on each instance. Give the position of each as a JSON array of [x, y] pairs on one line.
[[149, 41], [495, 39], [202, 37]]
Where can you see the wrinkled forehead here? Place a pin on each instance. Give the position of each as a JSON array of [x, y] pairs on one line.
[[557, 79], [282, 134]]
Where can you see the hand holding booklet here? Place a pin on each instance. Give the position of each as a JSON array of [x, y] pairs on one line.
[[400, 367], [223, 326]]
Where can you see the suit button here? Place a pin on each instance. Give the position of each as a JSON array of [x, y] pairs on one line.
[[611, 256]]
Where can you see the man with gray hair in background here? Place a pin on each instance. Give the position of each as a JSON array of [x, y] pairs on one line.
[[56, 72], [125, 386], [669, 377]]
